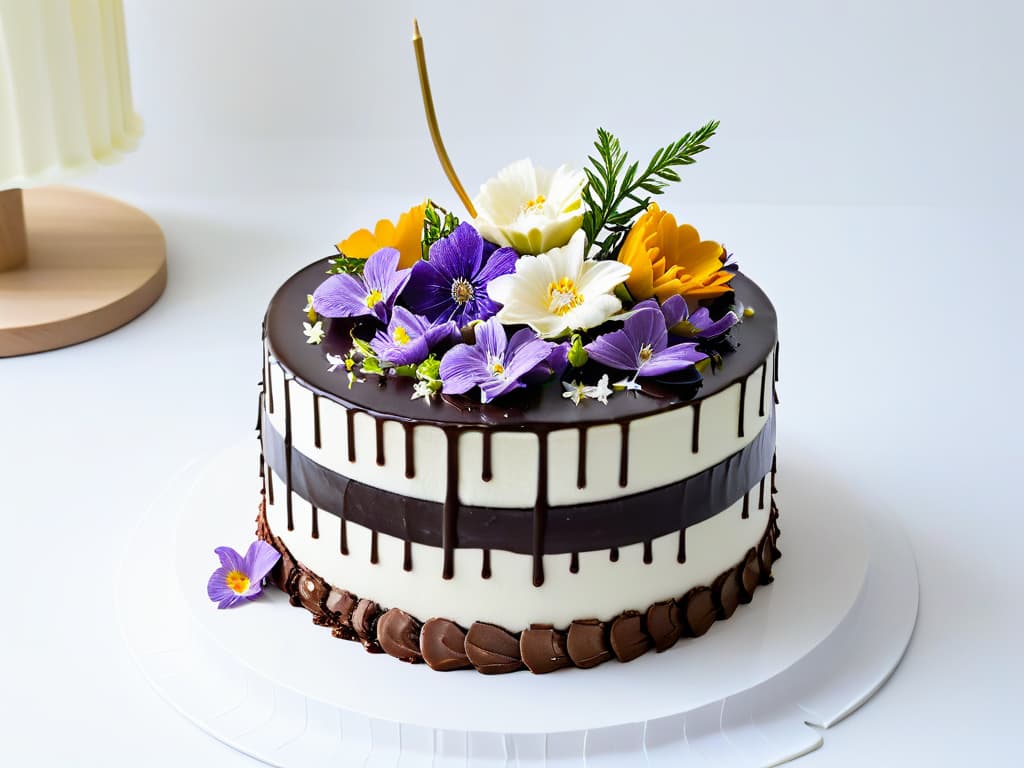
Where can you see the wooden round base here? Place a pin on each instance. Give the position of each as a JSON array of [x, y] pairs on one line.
[[94, 264]]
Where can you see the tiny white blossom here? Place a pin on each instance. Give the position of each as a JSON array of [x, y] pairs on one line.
[[574, 391], [314, 333], [627, 384], [601, 392], [424, 389], [335, 361]]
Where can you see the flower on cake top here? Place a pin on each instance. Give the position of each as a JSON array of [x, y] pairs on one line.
[[641, 346], [241, 578], [494, 363], [452, 283], [559, 291], [681, 322], [372, 293], [409, 338], [314, 332], [666, 259], [404, 236], [530, 209], [577, 391]]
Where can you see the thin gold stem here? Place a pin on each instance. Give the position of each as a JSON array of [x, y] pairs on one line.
[[435, 133]]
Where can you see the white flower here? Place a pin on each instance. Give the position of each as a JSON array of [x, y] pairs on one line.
[[314, 333], [602, 391], [335, 361], [576, 391], [308, 309], [559, 291], [425, 389], [627, 384], [530, 209]]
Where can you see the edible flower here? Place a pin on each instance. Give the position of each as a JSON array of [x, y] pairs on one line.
[[666, 259], [452, 283], [681, 322], [404, 236], [577, 392], [308, 309], [409, 338], [530, 209], [372, 293], [349, 363], [641, 346], [314, 333], [494, 363], [241, 578], [559, 291]]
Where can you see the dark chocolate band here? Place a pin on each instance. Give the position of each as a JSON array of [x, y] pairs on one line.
[[577, 528]]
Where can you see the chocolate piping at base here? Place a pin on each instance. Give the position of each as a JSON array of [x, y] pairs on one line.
[[541, 530], [490, 649]]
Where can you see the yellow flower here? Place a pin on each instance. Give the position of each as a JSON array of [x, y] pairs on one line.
[[666, 259], [406, 236]]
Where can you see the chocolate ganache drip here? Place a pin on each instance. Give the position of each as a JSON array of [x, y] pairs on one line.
[[539, 411]]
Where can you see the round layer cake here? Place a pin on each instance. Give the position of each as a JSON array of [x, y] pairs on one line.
[[525, 532]]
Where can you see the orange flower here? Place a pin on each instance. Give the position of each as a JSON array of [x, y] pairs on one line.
[[667, 259], [406, 235]]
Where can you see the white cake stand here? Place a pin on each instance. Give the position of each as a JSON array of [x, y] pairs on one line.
[[808, 651]]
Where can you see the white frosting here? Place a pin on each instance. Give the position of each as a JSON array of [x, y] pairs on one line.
[[65, 91], [601, 589], [659, 449]]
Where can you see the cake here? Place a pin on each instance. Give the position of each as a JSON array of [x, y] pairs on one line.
[[543, 437]]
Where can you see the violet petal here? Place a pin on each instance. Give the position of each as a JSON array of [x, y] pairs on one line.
[[259, 559], [341, 296]]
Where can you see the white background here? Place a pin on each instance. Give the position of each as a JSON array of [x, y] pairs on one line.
[[867, 174]]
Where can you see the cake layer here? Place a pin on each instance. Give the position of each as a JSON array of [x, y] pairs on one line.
[[580, 527], [498, 463], [494, 586], [375, 434]]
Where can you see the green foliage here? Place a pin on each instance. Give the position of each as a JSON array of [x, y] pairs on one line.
[[578, 356], [437, 223], [342, 264], [616, 194]]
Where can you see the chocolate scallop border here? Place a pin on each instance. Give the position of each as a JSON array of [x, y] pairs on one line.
[[446, 646]]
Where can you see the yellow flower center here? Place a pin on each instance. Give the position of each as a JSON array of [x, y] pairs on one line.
[[537, 202], [237, 582], [462, 290], [496, 366], [349, 363], [375, 297], [400, 336], [563, 296], [645, 353]]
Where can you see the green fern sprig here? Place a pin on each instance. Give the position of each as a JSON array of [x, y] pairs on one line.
[[615, 197]]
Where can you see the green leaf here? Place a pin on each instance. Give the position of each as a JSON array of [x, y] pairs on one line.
[[608, 188]]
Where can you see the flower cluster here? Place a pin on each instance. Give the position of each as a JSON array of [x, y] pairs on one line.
[[524, 293]]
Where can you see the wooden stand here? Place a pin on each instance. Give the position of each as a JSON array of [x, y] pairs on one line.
[[73, 266]]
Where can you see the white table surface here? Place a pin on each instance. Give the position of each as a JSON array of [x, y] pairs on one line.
[[900, 363]]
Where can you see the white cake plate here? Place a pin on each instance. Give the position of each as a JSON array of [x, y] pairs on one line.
[[754, 691]]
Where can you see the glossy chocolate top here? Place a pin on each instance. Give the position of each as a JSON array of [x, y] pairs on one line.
[[530, 408]]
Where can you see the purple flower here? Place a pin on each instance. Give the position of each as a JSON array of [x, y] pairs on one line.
[[373, 293], [494, 363], [409, 338], [680, 322], [240, 578], [452, 285], [642, 346]]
